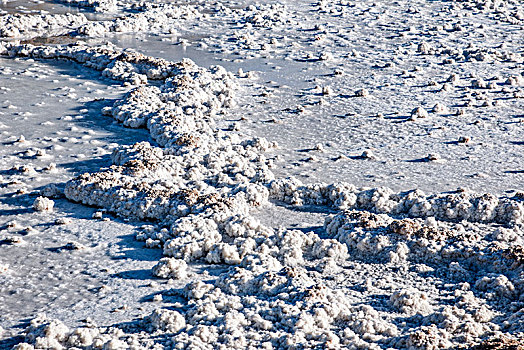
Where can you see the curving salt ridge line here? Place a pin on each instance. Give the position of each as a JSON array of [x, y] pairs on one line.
[[169, 113], [201, 187], [158, 18], [123, 65]]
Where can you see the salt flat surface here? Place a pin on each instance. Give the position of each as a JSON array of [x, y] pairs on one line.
[[54, 107], [149, 203]]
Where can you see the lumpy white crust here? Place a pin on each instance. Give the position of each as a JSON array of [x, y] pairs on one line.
[[279, 288]]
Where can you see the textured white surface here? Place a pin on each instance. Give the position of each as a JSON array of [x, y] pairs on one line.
[[378, 111]]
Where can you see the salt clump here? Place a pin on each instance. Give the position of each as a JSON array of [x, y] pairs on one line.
[[63, 221], [496, 284], [167, 320], [428, 338], [43, 204], [440, 108], [170, 268], [464, 139], [515, 80], [411, 302], [51, 191], [417, 113], [267, 15], [368, 154], [433, 157]]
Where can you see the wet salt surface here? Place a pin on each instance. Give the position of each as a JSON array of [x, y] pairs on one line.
[[34, 7], [62, 115], [64, 134], [38, 7], [347, 125], [289, 99], [404, 283]]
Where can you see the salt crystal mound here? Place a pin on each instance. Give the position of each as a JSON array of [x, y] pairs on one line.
[[198, 163], [264, 15], [380, 237], [43, 333], [124, 65], [170, 268], [159, 18], [43, 204], [30, 26], [168, 19], [280, 296], [464, 205]]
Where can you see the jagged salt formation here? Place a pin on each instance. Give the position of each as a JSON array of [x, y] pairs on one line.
[[30, 26], [161, 18], [463, 205], [124, 65], [264, 15], [285, 293]]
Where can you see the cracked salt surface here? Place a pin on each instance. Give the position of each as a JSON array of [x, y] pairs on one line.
[[370, 94]]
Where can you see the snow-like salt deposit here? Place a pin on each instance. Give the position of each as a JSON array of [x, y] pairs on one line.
[[170, 268], [28, 26], [43, 204], [162, 18], [386, 270], [201, 186]]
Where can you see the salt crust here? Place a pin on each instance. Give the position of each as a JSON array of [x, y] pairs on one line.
[[154, 18], [201, 185]]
